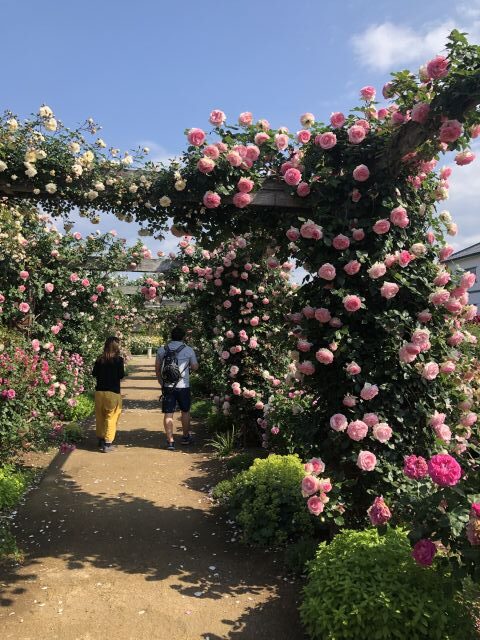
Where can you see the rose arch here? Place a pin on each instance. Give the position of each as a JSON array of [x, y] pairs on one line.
[[382, 382]]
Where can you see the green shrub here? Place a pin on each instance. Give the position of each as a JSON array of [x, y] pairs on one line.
[[223, 444], [242, 461], [8, 545], [366, 585], [265, 501], [200, 409], [83, 409], [218, 422], [12, 485], [299, 553], [73, 433]]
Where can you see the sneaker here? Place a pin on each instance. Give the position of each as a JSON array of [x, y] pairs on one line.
[[100, 443], [108, 447], [187, 439], [171, 446]]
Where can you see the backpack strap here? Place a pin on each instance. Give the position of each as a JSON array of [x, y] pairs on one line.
[[178, 349]]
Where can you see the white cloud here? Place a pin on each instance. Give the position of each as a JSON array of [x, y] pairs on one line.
[[464, 202], [383, 47]]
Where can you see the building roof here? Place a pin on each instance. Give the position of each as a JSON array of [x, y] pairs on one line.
[[473, 250]]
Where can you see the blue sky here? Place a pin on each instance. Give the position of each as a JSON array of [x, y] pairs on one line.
[[146, 70]]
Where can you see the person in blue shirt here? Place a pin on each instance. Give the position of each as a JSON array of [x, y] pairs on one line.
[[176, 392]]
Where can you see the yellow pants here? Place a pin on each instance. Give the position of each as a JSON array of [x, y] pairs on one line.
[[108, 407]]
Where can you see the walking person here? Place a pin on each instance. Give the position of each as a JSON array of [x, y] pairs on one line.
[[173, 364], [108, 369]]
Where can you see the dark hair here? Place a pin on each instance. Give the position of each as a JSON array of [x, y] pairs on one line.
[[178, 333], [111, 350]]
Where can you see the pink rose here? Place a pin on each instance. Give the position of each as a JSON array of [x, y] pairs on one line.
[[469, 419], [292, 176], [399, 217], [357, 430], [318, 466], [378, 512], [443, 432], [196, 137], [444, 470], [381, 226], [245, 185], [205, 165], [366, 461], [356, 134], [307, 368], [245, 119], [77, 235], [382, 432], [349, 401], [437, 68], [327, 271], [420, 112], [304, 346], [369, 391], [377, 270], [340, 242], [242, 200], [326, 140], [309, 485], [303, 189], [234, 159], [352, 303], [85, 282], [415, 467], [323, 315], [293, 234], [303, 136], [24, 307], [337, 119], [24, 275], [389, 290], [423, 552], [49, 287], [368, 93], [36, 345], [361, 173], [352, 267], [447, 367], [450, 131], [211, 200], [353, 369], [261, 138], [310, 230], [338, 422], [211, 151], [324, 356], [430, 370], [217, 117], [358, 235], [281, 141], [464, 157], [315, 505], [370, 419]]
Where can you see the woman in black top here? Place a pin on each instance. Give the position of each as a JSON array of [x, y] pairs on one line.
[[108, 370]]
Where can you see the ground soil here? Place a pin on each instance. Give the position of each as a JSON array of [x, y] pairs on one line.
[[128, 546]]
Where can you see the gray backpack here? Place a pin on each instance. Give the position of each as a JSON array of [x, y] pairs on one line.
[[171, 373]]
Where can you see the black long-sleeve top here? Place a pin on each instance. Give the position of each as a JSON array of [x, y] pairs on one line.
[[108, 375]]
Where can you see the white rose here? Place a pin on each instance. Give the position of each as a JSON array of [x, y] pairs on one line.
[[77, 169], [36, 192], [30, 155], [74, 147], [45, 112], [165, 201], [3, 165], [92, 194], [12, 125], [115, 152], [445, 216], [99, 186], [41, 154], [51, 124], [180, 185], [133, 188], [127, 159], [146, 150], [30, 170], [100, 143], [419, 249], [51, 187]]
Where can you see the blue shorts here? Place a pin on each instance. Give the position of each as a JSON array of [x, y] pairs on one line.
[[173, 396]]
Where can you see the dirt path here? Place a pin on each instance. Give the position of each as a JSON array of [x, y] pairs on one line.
[[126, 546]]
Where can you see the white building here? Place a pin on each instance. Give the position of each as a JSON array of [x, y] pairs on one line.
[[468, 259]]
